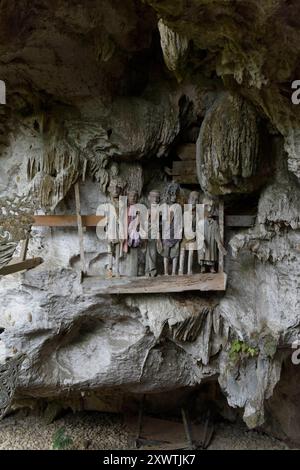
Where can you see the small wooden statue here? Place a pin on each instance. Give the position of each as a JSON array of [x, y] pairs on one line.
[[115, 245], [153, 234], [190, 244], [133, 241], [208, 256], [170, 246]]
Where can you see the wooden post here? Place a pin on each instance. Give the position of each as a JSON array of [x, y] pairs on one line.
[[187, 429], [221, 227], [84, 170], [140, 420], [24, 247], [79, 225]]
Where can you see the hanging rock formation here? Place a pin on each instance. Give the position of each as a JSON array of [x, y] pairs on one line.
[[228, 147], [174, 48]]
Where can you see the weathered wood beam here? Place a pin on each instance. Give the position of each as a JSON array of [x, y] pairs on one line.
[[20, 266], [155, 285], [186, 179], [92, 220], [65, 220], [240, 220], [184, 168]]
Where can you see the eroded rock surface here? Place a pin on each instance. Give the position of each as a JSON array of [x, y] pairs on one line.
[[126, 83]]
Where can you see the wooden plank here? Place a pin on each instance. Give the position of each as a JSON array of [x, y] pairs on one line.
[[240, 220], [65, 220], [79, 225], [221, 227], [186, 179], [184, 168], [159, 284], [92, 220], [20, 266], [186, 151], [55, 221]]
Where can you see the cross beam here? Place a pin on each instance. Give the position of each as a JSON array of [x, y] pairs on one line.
[[92, 220], [20, 266]]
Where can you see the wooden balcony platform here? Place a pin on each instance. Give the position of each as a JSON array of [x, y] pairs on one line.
[[154, 285]]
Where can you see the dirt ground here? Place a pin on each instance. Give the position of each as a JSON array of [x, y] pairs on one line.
[[93, 430]]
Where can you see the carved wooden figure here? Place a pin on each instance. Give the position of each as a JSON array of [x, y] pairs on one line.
[[115, 247], [170, 244], [153, 234], [189, 245], [208, 256], [133, 241]]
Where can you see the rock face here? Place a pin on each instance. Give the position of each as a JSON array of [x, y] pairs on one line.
[[282, 410], [115, 88], [132, 128], [101, 342]]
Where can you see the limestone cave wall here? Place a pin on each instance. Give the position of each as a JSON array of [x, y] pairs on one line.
[[104, 83]]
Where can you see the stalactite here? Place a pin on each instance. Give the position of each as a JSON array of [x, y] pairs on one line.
[[175, 49], [190, 328], [228, 146], [56, 169]]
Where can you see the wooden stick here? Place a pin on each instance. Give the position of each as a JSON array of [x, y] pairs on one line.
[[79, 225], [24, 247], [84, 170], [221, 227]]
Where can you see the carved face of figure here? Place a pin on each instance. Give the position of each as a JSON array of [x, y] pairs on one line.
[[132, 198], [114, 170], [154, 197], [209, 207], [115, 188], [173, 193], [194, 198], [173, 197]]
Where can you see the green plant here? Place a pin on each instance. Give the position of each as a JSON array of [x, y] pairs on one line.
[[60, 440], [241, 350]]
